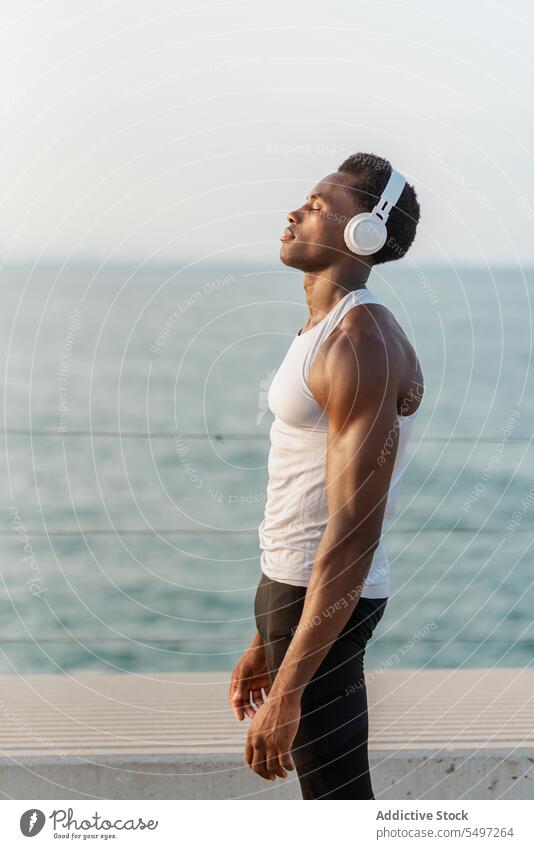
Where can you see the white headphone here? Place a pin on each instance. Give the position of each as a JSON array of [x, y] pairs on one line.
[[366, 233]]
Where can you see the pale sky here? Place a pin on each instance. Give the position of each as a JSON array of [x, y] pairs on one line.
[[169, 130]]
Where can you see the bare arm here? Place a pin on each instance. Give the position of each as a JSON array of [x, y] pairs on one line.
[[362, 414], [361, 404]]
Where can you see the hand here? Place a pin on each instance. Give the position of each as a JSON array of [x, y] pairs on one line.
[[249, 678], [270, 737]]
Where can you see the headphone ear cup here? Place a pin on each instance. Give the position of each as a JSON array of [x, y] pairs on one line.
[[365, 234]]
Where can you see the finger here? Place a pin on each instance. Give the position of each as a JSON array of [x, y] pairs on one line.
[[232, 688], [241, 704], [248, 753], [257, 698], [236, 702], [267, 690], [233, 683], [247, 707], [287, 760], [259, 766], [273, 764]]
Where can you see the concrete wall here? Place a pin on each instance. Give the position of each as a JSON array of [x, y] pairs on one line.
[[468, 774]]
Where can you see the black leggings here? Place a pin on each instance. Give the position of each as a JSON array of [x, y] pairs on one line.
[[330, 749]]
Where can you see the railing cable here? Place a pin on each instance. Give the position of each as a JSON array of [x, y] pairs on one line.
[[163, 434]]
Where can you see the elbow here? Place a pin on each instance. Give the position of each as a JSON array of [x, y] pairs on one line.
[[354, 549]]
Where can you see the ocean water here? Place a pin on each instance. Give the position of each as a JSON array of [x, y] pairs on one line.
[[121, 552]]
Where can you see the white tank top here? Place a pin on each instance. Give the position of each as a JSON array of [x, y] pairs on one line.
[[296, 511]]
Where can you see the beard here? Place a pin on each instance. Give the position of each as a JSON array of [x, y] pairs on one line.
[[307, 256]]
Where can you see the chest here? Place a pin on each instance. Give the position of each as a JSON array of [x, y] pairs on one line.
[[289, 396]]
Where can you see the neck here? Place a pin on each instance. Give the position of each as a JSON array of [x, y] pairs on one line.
[[324, 290]]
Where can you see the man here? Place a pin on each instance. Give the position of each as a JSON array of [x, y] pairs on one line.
[[344, 400]]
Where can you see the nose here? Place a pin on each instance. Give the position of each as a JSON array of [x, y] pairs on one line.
[[292, 217]]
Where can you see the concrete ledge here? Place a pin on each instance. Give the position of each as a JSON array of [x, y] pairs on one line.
[[434, 734], [415, 774]]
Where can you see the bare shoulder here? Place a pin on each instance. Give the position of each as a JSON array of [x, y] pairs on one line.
[[368, 352]]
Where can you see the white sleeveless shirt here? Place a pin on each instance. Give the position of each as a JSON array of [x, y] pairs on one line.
[[296, 511]]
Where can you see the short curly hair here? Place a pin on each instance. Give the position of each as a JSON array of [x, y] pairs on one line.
[[371, 174]]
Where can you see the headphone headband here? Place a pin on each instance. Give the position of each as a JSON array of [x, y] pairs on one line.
[[390, 195]]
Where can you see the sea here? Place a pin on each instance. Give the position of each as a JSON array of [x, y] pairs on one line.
[[135, 438]]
